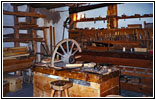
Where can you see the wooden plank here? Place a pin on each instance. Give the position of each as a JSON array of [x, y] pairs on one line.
[[120, 42], [22, 40], [137, 88], [26, 27], [12, 65], [21, 35], [15, 49], [46, 41], [98, 48], [15, 56], [137, 74], [23, 14], [51, 41], [17, 61], [88, 7], [117, 61], [16, 31], [118, 17], [6, 54], [54, 36]]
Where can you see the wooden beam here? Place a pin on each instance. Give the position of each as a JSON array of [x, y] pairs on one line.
[[118, 17], [12, 65], [112, 22], [16, 31], [136, 74], [22, 40], [13, 56], [23, 14], [25, 27], [21, 35], [117, 59], [89, 7], [46, 40], [54, 36], [51, 42]]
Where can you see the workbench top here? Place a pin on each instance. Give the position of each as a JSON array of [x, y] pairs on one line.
[[77, 74]]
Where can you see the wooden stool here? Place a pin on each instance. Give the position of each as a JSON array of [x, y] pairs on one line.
[[60, 85]]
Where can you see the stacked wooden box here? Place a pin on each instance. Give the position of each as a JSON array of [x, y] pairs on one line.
[[15, 82]]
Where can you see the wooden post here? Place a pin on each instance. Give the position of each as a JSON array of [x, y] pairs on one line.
[[45, 39], [51, 48], [112, 22], [16, 31], [34, 34], [16, 34], [54, 36]]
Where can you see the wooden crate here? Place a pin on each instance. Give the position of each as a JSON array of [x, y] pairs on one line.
[[5, 88], [15, 82]]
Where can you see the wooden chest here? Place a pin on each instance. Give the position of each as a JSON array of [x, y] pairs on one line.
[[5, 88], [15, 82], [84, 84]]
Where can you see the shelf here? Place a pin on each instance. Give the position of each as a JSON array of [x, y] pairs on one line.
[[22, 40], [21, 35], [24, 27], [24, 14], [119, 42], [118, 17]]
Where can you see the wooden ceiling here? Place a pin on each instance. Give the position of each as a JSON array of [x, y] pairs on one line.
[[73, 7], [48, 5]]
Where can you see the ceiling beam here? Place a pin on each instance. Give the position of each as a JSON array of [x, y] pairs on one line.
[[90, 7]]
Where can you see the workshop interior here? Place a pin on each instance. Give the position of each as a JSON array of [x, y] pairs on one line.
[[77, 49]]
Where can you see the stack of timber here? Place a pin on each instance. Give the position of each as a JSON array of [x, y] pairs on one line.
[[16, 58]]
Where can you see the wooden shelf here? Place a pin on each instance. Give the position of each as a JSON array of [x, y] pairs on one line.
[[22, 40], [21, 35], [24, 14], [118, 17], [119, 42], [26, 27]]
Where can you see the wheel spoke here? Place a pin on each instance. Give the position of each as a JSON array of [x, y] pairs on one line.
[[74, 51], [67, 47], [59, 54], [72, 47], [62, 49]]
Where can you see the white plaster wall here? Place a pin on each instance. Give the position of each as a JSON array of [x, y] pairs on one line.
[[8, 20], [58, 26]]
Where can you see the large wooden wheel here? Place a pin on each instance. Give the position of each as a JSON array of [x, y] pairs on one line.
[[64, 53]]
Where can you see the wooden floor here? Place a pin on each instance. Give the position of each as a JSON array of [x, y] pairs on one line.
[[27, 91]]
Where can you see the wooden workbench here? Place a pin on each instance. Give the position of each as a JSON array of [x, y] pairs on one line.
[[84, 84]]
